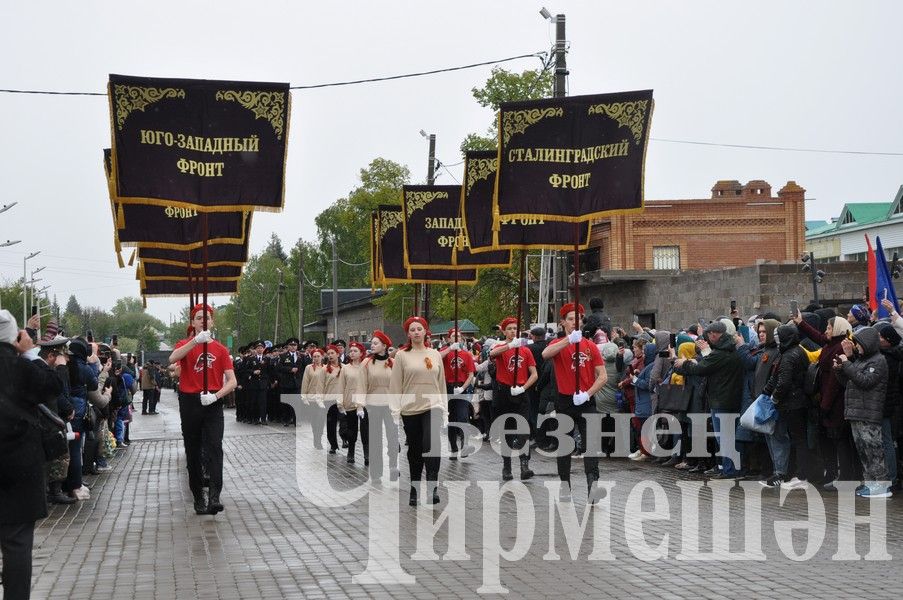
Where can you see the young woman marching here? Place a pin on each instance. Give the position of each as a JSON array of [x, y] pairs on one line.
[[418, 381], [459, 370], [311, 391], [332, 393], [515, 373], [573, 401], [381, 413], [353, 402]]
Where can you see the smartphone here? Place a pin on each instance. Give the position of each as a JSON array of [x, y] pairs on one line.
[[90, 336], [34, 309], [733, 304], [673, 341], [636, 318], [702, 323], [114, 340], [885, 295], [794, 308]]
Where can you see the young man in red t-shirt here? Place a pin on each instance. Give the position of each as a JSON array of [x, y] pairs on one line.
[[459, 372], [200, 409], [515, 373], [575, 400]]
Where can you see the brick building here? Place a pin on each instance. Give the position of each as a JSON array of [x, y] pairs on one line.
[[736, 227]]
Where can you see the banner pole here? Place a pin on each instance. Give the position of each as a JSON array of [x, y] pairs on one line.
[[520, 308], [577, 323], [204, 309], [457, 334]]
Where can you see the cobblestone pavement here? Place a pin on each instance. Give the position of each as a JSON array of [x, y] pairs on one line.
[[138, 536]]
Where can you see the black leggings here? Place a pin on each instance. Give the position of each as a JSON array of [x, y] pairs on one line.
[[420, 435], [565, 406], [202, 432], [352, 424]]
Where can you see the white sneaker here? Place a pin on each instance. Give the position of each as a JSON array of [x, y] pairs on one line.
[[634, 455], [82, 493], [795, 483], [104, 469], [642, 457]]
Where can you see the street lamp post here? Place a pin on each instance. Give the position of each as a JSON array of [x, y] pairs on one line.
[[25, 286], [33, 271]]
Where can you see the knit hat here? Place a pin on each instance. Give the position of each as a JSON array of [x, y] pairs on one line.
[[861, 313], [9, 330], [50, 331], [887, 331], [716, 327], [841, 327], [729, 327]]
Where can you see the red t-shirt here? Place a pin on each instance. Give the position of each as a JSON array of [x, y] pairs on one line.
[[504, 366], [191, 376], [564, 367], [466, 366]]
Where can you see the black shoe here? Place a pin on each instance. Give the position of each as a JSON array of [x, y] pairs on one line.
[[696, 469], [525, 472], [333, 450], [506, 474], [366, 461], [350, 460], [215, 505], [412, 499], [144, 412], [344, 444], [774, 481], [674, 460], [593, 494], [201, 504], [435, 498], [712, 472]]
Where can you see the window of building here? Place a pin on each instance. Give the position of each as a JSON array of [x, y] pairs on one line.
[[666, 257]]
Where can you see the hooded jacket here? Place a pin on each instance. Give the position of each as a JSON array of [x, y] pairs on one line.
[[723, 370], [830, 388], [766, 357], [866, 380], [785, 386]]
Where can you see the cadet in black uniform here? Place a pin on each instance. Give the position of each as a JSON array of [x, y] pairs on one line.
[[291, 370], [258, 371]]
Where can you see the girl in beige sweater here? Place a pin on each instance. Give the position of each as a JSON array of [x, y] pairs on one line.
[[382, 413], [332, 392], [353, 401], [418, 381], [312, 383]]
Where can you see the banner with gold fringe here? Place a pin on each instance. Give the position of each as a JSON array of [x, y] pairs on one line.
[[572, 159], [213, 146], [480, 167]]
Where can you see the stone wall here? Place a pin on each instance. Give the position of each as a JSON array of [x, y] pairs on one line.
[[681, 300]]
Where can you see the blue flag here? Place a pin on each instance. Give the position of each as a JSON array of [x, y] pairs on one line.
[[884, 287]]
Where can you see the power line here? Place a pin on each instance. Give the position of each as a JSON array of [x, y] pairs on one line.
[[317, 85], [779, 148]]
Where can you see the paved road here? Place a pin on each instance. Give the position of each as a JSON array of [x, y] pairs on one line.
[[138, 536]]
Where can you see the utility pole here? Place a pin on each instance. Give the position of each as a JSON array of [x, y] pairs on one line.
[[301, 295], [335, 292], [278, 299], [559, 259], [430, 180]]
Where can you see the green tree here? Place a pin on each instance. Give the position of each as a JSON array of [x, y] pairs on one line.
[[130, 320]]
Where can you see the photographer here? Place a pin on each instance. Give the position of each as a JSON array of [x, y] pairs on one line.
[[23, 385]]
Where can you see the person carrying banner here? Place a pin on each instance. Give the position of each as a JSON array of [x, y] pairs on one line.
[[459, 375], [515, 373], [579, 374], [200, 410]]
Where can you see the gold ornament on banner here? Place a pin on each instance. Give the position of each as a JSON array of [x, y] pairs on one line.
[[628, 114], [131, 98], [517, 121], [264, 105]]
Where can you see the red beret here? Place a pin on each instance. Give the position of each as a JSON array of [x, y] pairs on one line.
[[360, 347], [378, 334], [507, 321], [569, 307], [333, 347], [411, 320], [199, 307], [451, 332], [317, 350]]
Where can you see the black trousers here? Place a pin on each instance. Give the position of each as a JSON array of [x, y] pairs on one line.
[[16, 542], [146, 399], [504, 407], [287, 412], [458, 412], [379, 418], [335, 420], [258, 405], [155, 397], [202, 433], [352, 425], [420, 436], [565, 406]]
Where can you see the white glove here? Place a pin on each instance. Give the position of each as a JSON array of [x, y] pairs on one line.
[[516, 343], [343, 411], [575, 336], [360, 413], [455, 346], [580, 398], [208, 398], [458, 391], [517, 390], [203, 337]]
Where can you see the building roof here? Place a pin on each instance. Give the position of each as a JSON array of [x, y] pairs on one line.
[[465, 325], [859, 215]]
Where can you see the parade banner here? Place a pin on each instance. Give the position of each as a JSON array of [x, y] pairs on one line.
[[183, 288], [153, 270], [572, 159], [433, 235], [390, 255], [212, 146], [480, 167], [235, 255], [174, 227]]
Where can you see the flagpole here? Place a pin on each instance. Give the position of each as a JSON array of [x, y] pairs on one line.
[[520, 308], [577, 305], [457, 335], [204, 308]]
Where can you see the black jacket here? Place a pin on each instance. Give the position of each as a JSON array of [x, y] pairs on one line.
[[261, 380], [785, 386], [723, 370], [866, 380], [291, 382], [23, 385], [893, 397]]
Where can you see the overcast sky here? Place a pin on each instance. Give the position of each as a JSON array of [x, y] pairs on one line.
[[821, 75]]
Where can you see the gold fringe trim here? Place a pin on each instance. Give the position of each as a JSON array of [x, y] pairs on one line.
[[119, 259], [132, 257]]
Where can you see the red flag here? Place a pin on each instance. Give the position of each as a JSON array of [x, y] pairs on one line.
[[873, 276]]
